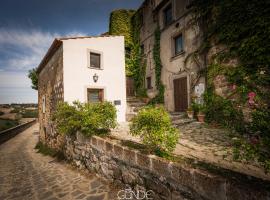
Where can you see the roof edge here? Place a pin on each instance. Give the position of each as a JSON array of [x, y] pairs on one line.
[[53, 48]]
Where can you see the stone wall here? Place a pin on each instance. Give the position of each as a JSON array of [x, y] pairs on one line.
[[50, 86], [168, 180]]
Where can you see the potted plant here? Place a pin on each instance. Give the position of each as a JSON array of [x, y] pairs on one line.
[[190, 113], [201, 114]]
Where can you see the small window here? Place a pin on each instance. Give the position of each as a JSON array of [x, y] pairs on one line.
[[43, 104], [178, 44], [149, 83], [168, 15], [142, 49], [94, 60], [94, 95]]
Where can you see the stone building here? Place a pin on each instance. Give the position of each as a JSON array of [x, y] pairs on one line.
[[88, 69], [179, 40]]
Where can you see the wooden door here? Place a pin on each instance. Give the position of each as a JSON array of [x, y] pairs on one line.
[[130, 86], [180, 94]]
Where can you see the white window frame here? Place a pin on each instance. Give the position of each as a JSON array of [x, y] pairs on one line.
[[88, 59]]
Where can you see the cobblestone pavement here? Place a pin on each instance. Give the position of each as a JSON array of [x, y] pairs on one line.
[[204, 143], [27, 175]]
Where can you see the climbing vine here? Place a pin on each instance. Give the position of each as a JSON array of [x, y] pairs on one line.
[[240, 31], [128, 23], [158, 68]]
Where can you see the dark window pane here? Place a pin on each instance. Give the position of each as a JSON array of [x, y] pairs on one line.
[[94, 60], [178, 44], [149, 83], [168, 15], [94, 96]]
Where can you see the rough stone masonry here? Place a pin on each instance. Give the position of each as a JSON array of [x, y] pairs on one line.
[[168, 180]]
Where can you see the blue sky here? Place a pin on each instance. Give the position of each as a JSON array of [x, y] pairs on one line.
[[27, 28]]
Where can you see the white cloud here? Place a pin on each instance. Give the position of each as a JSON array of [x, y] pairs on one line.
[[14, 79], [24, 49]]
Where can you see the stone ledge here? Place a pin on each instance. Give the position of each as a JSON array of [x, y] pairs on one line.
[[166, 178]]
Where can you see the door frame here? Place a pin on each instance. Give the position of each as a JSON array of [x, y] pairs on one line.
[[86, 88], [183, 75]]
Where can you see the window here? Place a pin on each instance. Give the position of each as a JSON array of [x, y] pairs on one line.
[[168, 15], [149, 83], [94, 95], [95, 60], [43, 104], [142, 49], [178, 44]]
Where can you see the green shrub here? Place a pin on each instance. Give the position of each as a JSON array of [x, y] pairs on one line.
[[98, 118], [68, 118], [88, 118], [153, 125]]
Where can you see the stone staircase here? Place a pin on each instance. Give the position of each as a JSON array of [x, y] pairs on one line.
[[180, 119], [133, 106]]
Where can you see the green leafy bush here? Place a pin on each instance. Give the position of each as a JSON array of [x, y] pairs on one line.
[[88, 118], [153, 125], [68, 118], [98, 118]]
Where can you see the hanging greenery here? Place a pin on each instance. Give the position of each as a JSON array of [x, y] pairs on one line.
[[128, 23], [158, 69], [241, 28]]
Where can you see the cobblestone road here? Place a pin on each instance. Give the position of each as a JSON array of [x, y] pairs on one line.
[[27, 175]]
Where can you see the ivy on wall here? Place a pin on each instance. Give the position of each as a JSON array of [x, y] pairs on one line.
[[158, 69], [242, 28], [128, 23]]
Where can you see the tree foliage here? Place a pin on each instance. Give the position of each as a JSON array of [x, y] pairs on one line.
[[32, 74]]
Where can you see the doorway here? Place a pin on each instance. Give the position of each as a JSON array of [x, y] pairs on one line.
[[180, 94]]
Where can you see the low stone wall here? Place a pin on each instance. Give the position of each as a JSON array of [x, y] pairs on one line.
[[9, 133], [168, 180]]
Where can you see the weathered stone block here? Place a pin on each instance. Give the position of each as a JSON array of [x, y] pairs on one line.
[[129, 156], [94, 141], [182, 175], [235, 191], [209, 186], [143, 161], [161, 167], [101, 144], [109, 147], [118, 151]]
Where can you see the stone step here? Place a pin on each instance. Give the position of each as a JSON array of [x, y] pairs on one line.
[[133, 99], [182, 122], [136, 104]]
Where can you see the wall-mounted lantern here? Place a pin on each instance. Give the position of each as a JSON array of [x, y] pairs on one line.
[[95, 78]]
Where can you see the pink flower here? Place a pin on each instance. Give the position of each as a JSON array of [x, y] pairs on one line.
[[251, 96]]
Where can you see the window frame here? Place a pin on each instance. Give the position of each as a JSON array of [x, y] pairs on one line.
[[175, 53], [165, 22], [91, 51], [100, 94], [149, 82]]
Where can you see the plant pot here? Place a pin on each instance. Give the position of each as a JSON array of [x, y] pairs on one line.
[[201, 117], [190, 114], [145, 100]]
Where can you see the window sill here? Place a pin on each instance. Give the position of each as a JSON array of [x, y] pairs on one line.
[[180, 54], [95, 68]]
